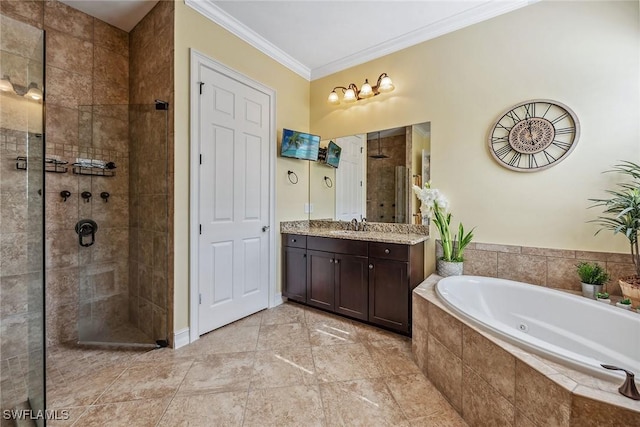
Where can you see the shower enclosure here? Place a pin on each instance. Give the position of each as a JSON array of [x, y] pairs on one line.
[[123, 205], [22, 370], [107, 229]]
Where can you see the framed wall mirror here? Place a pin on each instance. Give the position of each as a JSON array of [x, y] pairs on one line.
[[372, 175]]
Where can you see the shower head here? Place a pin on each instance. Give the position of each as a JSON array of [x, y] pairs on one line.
[[379, 155]]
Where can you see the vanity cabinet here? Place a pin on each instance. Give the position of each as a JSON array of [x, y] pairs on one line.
[[369, 281], [294, 267], [337, 275], [391, 281]]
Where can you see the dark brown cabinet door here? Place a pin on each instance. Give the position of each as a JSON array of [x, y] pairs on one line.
[[352, 287], [295, 274], [320, 279], [389, 294]]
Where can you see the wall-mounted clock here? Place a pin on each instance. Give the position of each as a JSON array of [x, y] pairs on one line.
[[534, 135]]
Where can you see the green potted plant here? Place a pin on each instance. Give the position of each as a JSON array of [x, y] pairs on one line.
[[435, 207], [603, 297], [622, 211], [624, 303], [592, 277]]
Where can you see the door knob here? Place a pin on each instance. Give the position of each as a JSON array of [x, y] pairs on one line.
[[265, 228]]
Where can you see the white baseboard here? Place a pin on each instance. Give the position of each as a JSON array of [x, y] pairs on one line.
[[181, 338], [278, 299]]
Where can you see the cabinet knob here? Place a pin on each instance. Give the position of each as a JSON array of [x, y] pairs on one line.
[[331, 260], [386, 251], [370, 266], [336, 261], [293, 240]]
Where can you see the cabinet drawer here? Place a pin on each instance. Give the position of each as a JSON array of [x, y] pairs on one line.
[[341, 246], [389, 251], [294, 240]]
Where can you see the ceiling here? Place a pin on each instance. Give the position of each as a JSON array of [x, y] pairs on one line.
[[318, 38], [123, 14]]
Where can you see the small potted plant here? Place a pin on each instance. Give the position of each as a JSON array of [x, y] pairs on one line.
[[593, 277], [603, 297], [625, 303]]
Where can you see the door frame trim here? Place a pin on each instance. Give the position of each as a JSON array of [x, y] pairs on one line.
[[198, 59]]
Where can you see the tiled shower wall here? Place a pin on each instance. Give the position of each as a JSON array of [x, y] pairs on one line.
[[381, 185], [87, 92], [87, 87], [91, 78], [151, 66], [554, 268]]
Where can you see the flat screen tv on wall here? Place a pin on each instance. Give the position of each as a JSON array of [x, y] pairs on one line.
[[333, 154], [299, 145]]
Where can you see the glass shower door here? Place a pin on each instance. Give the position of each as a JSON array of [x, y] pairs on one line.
[[122, 224], [22, 361]]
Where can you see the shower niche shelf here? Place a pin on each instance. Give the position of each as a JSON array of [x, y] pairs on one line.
[[92, 170], [50, 165]]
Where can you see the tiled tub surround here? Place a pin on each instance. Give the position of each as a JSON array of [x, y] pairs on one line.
[[407, 234], [553, 268], [491, 382]]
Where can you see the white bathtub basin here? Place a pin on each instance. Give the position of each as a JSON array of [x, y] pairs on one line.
[[566, 328]]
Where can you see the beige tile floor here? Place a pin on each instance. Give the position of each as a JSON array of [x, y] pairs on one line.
[[287, 366]]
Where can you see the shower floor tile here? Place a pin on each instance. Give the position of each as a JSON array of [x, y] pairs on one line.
[[332, 371]]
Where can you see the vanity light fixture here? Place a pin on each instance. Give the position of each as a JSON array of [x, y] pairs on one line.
[[34, 92], [6, 85], [353, 94]]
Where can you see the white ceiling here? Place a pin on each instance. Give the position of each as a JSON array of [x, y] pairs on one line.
[[321, 37], [123, 14]]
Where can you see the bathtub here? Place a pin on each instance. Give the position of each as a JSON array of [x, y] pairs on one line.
[[563, 327]]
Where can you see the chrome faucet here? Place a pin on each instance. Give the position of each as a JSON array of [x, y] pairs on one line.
[[354, 224], [363, 224]]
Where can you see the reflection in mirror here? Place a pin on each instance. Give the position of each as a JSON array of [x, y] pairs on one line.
[[374, 176]]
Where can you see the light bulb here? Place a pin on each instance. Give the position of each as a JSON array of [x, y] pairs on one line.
[[349, 96], [34, 92], [386, 85], [333, 98], [6, 85], [366, 91]]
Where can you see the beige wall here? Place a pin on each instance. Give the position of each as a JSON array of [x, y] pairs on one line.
[[584, 54], [193, 30]]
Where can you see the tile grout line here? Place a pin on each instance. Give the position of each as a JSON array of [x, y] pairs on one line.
[[175, 393]]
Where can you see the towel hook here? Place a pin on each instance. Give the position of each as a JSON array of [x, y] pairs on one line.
[[328, 182], [289, 173]]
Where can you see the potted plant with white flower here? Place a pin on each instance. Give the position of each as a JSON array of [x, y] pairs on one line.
[[435, 206]]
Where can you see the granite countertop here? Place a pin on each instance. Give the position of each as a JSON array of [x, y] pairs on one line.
[[404, 234]]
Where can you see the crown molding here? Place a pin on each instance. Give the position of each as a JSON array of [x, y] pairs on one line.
[[237, 28], [472, 16], [469, 17]]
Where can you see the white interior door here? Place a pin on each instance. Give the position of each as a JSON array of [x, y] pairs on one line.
[[350, 178], [233, 258]]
